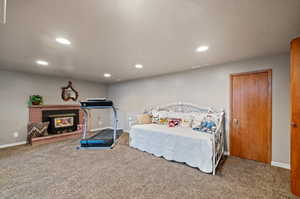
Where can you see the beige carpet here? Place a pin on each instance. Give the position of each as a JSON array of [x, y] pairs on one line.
[[60, 171]]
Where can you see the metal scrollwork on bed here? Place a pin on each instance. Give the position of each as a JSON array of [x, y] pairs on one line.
[[182, 107], [219, 142], [218, 137]]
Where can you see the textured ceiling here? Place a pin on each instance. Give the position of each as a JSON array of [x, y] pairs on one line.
[[113, 35]]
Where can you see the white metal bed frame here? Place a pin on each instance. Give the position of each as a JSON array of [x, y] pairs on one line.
[[218, 136]]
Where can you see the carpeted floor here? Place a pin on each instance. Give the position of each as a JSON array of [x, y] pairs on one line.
[[58, 170]]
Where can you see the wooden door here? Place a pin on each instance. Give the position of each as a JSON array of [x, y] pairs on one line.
[[251, 114], [295, 124]]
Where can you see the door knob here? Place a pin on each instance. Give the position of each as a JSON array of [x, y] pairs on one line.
[[294, 125], [236, 121]]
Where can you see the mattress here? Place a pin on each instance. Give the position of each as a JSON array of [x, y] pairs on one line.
[[178, 144]]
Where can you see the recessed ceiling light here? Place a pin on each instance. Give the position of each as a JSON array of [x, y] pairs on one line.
[[107, 75], [202, 48], [139, 66], [62, 41], [42, 63]]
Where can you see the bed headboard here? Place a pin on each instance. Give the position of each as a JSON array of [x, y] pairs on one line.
[[182, 107]]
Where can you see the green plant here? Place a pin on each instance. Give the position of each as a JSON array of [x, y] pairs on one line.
[[35, 100]]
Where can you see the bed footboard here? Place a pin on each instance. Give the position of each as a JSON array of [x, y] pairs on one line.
[[218, 143]]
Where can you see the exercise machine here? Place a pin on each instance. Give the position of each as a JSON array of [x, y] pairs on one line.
[[105, 139]]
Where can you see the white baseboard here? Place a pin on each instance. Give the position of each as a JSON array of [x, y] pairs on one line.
[[273, 163], [12, 144], [281, 164]]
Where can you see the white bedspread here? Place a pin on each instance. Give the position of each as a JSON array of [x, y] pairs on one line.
[[178, 144]]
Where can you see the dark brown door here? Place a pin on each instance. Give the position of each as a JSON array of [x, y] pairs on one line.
[[250, 121], [295, 126]]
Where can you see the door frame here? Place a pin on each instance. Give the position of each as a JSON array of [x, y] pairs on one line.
[[269, 125]]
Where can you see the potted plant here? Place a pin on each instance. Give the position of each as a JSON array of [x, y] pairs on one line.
[[35, 100]]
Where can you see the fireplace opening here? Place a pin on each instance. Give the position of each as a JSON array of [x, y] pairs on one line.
[[61, 121]]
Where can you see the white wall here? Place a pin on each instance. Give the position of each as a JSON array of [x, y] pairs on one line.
[[15, 89], [210, 86]]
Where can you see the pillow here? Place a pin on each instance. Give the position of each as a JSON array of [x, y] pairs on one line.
[[186, 118], [159, 117], [207, 125], [186, 123], [37, 129], [174, 122], [144, 119], [163, 121], [155, 119]]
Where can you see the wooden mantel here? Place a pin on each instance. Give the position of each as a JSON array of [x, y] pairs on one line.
[[35, 111], [55, 106]]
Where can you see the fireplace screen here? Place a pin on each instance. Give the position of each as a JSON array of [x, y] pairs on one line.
[[63, 122]]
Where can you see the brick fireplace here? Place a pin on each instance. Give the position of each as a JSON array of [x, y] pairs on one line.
[[64, 121]]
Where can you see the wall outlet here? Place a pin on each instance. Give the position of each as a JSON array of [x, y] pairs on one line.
[[16, 134]]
